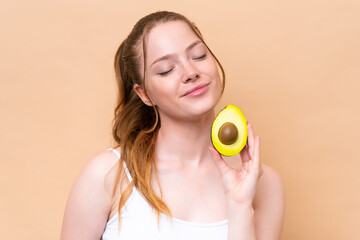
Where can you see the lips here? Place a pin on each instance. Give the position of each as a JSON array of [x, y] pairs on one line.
[[197, 89]]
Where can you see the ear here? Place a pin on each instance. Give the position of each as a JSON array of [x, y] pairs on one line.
[[142, 95]]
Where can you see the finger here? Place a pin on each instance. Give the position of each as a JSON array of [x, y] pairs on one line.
[[219, 161], [244, 154], [256, 156], [251, 140]]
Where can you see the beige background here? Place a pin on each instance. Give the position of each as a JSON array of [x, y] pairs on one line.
[[293, 67]]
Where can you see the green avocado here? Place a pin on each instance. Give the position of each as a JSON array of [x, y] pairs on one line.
[[229, 131]]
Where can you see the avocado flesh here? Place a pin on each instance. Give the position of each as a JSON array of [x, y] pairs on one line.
[[233, 115]]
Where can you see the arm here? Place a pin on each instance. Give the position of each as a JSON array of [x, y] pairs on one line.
[[269, 203], [89, 203]]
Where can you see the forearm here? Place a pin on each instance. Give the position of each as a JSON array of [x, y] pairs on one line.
[[241, 222]]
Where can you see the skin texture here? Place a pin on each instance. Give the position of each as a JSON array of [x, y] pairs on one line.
[[208, 189]]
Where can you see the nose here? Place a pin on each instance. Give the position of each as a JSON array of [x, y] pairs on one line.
[[192, 76], [190, 73]]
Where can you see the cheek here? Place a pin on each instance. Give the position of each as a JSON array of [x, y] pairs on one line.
[[209, 66], [212, 69], [216, 75], [151, 91], [159, 90]]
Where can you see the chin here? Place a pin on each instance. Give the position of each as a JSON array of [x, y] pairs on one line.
[[202, 108]]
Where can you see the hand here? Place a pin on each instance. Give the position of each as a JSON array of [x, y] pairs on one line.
[[240, 185]]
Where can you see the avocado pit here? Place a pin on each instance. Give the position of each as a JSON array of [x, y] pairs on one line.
[[228, 133]]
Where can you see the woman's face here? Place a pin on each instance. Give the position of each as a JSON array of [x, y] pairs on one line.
[[181, 75]]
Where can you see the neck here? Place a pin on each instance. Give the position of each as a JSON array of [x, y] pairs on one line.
[[184, 141]]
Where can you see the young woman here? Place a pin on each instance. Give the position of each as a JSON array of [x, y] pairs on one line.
[[164, 180]]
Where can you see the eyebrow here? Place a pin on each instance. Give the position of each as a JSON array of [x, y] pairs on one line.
[[167, 56]]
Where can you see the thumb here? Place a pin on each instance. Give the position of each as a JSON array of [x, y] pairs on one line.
[[219, 161]]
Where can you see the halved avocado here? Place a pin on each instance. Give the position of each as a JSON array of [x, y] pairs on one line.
[[229, 131]]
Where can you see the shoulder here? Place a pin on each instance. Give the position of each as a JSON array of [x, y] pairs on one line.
[[98, 170], [90, 200], [270, 178], [270, 186], [100, 165]]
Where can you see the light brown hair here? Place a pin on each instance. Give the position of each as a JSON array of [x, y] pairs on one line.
[[135, 124]]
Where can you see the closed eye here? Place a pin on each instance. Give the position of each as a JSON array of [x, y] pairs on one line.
[[165, 73], [200, 57]]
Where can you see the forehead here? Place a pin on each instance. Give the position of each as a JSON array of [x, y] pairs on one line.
[[169, 38]]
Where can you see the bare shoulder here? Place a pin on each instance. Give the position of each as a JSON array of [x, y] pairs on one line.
[[100, 165], [270, 179], [270, 186], [90, 200], [99, 171], [269, 204]]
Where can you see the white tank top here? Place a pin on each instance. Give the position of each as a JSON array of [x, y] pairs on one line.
[[139, 221]]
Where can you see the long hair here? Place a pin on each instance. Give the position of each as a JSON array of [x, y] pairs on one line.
[[135, 124]]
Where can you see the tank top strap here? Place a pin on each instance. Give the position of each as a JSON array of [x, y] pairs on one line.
[[117, 153]]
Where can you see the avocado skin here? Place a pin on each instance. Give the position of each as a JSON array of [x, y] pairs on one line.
[[238, 118]]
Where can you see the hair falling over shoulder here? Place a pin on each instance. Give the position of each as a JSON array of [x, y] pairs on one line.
[[136, 125]]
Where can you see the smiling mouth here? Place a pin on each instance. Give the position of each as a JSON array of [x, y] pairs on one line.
[[197, 90]]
